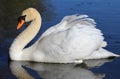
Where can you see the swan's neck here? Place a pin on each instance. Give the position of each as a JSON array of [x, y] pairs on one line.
[[17, 47]]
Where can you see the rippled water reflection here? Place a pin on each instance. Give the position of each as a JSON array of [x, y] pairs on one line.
[[23, 70], [105, 12]]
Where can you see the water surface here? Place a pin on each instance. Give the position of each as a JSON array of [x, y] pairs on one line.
[[105, 12]]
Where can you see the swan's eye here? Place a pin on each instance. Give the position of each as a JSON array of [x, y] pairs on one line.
[[21, 18]]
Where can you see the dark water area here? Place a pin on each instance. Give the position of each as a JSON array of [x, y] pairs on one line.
[[105, 12]]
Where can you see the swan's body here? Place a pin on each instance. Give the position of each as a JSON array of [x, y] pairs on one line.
[[74, 39]]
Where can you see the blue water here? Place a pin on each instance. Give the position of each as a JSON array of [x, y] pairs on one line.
[[105, 12]]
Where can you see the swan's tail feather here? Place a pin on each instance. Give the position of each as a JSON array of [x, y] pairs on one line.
[[79, 19], [102, 53]]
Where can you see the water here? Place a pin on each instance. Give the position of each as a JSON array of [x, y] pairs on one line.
[[105, 12]]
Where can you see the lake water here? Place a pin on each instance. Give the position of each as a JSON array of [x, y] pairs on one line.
[[105, 12]]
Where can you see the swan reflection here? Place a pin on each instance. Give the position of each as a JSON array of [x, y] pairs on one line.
[[57, 71]]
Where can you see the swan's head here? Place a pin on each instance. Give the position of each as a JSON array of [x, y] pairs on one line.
[[27, 15]]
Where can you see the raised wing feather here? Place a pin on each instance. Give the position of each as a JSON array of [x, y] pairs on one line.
[[69, 21]]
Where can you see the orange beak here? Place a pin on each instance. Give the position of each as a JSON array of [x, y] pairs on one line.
[[20, 24]]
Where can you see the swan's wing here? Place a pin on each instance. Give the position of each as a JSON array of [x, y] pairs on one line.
[[54, 29], [79, 19], [69, 21], [76, 38]]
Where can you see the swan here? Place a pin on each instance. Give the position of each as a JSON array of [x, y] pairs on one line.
[[73, 40]]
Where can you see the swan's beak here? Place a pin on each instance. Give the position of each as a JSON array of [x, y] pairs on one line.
[[20, 24]]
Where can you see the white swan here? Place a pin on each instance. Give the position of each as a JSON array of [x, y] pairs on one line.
[[73, 40]]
